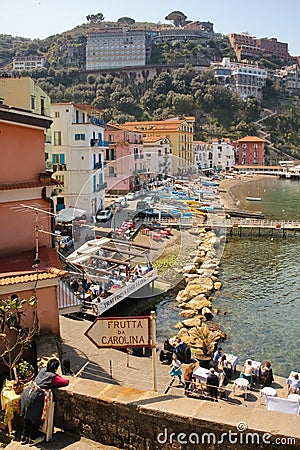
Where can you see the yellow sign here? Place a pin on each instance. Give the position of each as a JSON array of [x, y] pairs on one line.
[[120, 332]]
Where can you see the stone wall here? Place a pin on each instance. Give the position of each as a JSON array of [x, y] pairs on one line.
[[133, 419]]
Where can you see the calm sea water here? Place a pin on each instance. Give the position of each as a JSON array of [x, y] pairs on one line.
[[261, 285]]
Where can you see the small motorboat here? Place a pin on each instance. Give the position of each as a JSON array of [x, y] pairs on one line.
[[253, 199]]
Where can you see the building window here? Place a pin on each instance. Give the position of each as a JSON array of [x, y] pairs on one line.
[[57, 114], [57, 138], [32, 102], [79, 137], [58, 158]]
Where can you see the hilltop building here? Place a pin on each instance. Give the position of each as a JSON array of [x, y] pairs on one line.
[[29, 264], [125, 167], [247, 79], [115, 47], [180, 131], [249, 47], [28, 62], [289, 78], [78, 156]]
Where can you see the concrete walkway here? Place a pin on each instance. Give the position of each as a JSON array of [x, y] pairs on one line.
[[116, 367]]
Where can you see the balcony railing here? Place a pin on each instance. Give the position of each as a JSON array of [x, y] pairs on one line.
[[59, 167], [97, 143], [98, 166], [101, 186]]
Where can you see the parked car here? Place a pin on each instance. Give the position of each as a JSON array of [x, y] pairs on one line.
[[104, 215], [122, 201], [66, 241], [132, 196]]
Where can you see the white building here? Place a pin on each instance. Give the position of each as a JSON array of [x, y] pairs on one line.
[[289, 78], [247, 79], [202, 155], [28, 62], [115, 47], [158, 155], [78, 156], [223, 157]]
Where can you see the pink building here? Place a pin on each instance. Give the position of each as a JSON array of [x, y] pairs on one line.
[[126, 168], [29, 264], [250, 151]]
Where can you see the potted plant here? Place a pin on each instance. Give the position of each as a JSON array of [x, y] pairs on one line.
[[203, 341], [2, 416], [25, 371]]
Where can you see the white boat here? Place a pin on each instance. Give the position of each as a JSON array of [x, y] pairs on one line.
[[253, 199]]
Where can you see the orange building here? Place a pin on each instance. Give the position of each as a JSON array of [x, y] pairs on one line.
[[29, 264], [180, 131]]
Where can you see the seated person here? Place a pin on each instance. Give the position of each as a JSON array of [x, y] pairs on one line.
[[248, 372], [293, 384], [217, 355], [266, 374]]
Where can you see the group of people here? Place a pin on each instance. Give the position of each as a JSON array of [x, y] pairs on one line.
[[263, 376]]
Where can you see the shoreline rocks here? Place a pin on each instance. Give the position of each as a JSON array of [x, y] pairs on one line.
[[201, 281]]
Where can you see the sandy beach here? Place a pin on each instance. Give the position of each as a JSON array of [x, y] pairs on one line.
[[234, 197]]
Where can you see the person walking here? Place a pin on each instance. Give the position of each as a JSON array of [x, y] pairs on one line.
[[188, 377], [212, 383], [34, 402], [176, 370], [223, 378]]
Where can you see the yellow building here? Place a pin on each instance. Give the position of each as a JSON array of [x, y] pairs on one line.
[[180, 131], [24, 93]]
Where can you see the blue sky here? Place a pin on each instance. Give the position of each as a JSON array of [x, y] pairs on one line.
[[42, 18]]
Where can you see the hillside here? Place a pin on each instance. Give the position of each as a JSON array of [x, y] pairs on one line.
[[219, 111]]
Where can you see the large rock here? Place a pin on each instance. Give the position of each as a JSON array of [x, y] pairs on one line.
[[188, 313], [207, 313], [198, 303], [190, 268], [194, 322], [178, 325], [217, 285], [182, 296]]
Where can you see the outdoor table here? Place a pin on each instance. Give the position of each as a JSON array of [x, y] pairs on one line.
[[293, 372], [233, 360], [10, 403], [156, 236], [240, 384], [164, 233], [256, 365], [201, 374], [268, 392], [294, 397]]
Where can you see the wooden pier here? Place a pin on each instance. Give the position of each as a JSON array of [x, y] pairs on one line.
[[260, 227]]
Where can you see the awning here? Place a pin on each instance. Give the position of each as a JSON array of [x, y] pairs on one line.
[[69, 214]]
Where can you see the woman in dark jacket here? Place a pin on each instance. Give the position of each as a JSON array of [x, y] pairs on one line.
[[34, 400]]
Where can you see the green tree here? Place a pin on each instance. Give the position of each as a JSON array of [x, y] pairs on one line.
[[126, 21], [95, 18], [177, 17], [15, 335]]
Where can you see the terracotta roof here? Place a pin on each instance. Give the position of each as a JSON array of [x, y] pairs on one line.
[[251, 139], [152, 138], [29, 184], [19, 268]]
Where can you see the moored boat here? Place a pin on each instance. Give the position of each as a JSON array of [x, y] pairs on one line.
[[253, 199]]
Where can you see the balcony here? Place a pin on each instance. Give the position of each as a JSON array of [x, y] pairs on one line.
[[97, 143], [135, 172], [59, 167], [101, 186], [136, 156], [98, 166]]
